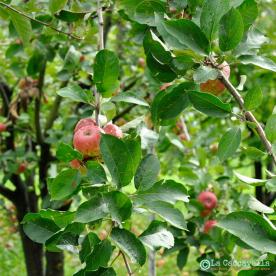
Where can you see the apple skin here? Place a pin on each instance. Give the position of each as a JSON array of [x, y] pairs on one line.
[[208, 225], [216, 87], [84, 122], [208, 199], [87, 140], [113, 130], [3, 127], [165, 86]]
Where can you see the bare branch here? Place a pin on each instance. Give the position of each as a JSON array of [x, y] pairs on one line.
[[126, 264], [9, 194], [39, 21]]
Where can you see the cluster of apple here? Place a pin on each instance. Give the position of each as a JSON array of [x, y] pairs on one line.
[[87, 137], [209, 202]]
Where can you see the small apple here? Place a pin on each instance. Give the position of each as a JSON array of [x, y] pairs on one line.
[[208, 225], [75, 164], [87, 140], [205, 213], [3, 127], [84, 122], [103, 235], [216, 87], [141, 62], [182, 137], [165, 86], [82, 58], [113, 130], [208, 199], [22, 167]]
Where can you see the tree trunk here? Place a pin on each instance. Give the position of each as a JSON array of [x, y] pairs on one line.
[[33, 252], [258, 175], [55, 263]]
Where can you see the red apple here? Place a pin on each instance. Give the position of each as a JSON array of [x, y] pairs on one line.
[[206, 212], [208, 199], [3, 127], [141, 62], [87, 140], [182, 137], [113, 130], [165, 86], [22, 167], [208, 225], [84, 122], [75, 164], [216, 86]]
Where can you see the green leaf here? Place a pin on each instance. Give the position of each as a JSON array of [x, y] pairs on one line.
[[56, 5], [61, 218], [212, 12], [157, 235], [71, 60], [64, 185], [159, 71], [144, 12], [36, 63], [172, 103], [249, 12], [259, 61], [182, 257], [130, 245], [129, 97], [22, 26], [106, 72], [95, 172], [187, 33], [13, 49], [253, 98], [256, 231], [102, 271], [230, 30], [258, 206], [87, 246], [168, 213], [205, 73], [181, 64], [134, 148], [38, 229], [209, 104], [152, 44], [100, 256], [119, 206], [167, 191], [92, 210], [75, 93], [229, 143], [117, 159], [109, 110], [250, 180], [270, 129], [147, 172], [66, 153]]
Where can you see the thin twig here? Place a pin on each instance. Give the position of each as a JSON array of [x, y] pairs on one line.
[[115, 258], [127, 264], [40, 22], [185, 129], [248, 115]]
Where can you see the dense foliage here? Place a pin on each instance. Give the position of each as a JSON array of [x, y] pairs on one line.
[[134, 127]]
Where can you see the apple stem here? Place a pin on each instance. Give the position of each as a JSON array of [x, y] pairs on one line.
[[247, 114]]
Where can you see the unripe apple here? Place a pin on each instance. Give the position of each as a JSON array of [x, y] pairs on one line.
[[216, 86], [208, 225], [113, 130], [3, 127], [208, 199], [87, 140], [206, 212], [84, 122]]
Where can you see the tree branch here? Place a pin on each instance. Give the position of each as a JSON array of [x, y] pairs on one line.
[[248, 115], [9, 194], [40, 22], [126, 264]]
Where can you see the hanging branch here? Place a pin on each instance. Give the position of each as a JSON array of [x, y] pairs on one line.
[[101, 47], [127, 264], [40, 22], [247, 114]]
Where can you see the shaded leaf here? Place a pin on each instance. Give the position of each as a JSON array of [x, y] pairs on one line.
[[270, 129], [75, 93], [253, 98], [66, 153]]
